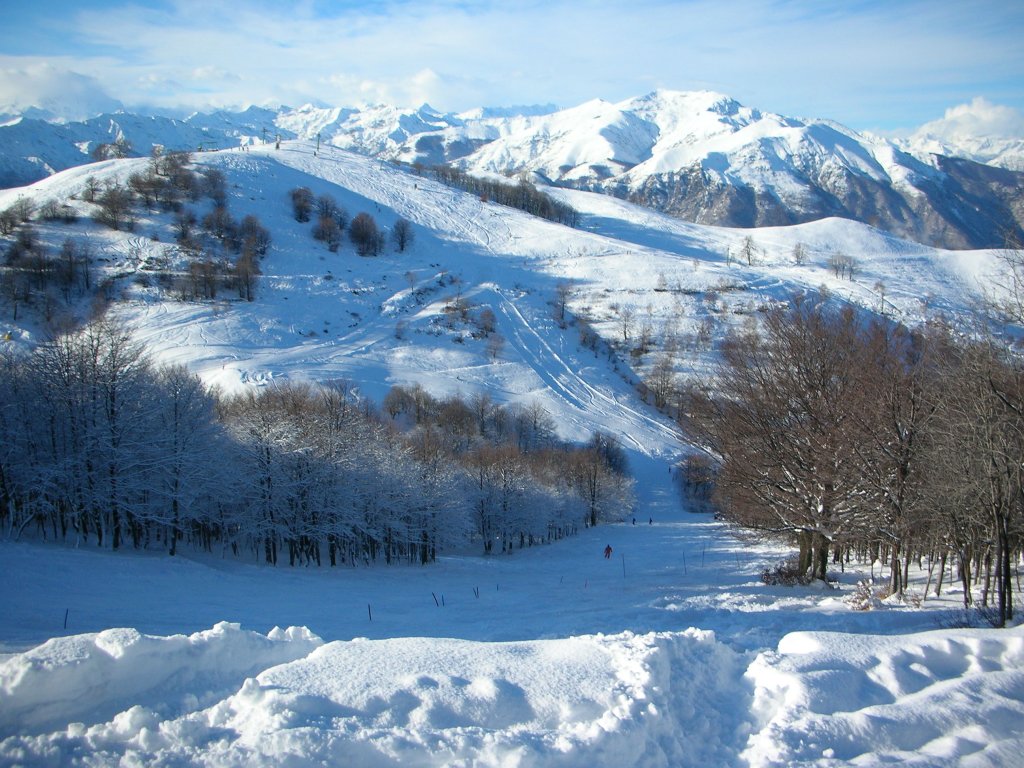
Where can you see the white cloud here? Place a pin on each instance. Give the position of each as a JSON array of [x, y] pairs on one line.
[[979, 118], [861, 64], [58, 92], [413, 90], [211, 73]]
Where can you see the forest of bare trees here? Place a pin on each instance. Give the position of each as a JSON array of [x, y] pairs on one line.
[[859, 438], [98, 445]]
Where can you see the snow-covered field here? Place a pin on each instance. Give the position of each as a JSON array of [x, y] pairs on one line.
[[670, 653]]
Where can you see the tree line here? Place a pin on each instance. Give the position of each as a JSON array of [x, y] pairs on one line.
[[99, 445], [863, 438], [521, 195]]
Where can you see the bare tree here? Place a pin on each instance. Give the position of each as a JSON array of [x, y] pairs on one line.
[[662, 380], [799, 254], [246, 271], [748, 250], [626, 317], [326, 206], [487, 321], [778, 417], [495, 343], [327, 230], [1008, 301], [980, 426], [402, 234], [116, 208], [8, 221], [302, 203], [221, 225], [842, 265], [252, 231], [563, 292], [365, 235], [91, 189]]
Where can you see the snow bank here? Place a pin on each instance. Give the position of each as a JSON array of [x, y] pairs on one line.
[[650, 700], [89, 678], [227, 697], [937, 698]]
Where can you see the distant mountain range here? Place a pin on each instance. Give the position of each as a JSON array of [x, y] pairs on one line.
[[700, 156]]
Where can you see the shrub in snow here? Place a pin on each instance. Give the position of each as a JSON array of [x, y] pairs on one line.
[[787, 573], [866, 596]]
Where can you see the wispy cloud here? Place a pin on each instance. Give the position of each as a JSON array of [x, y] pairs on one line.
[[871, 64], [62, 93]]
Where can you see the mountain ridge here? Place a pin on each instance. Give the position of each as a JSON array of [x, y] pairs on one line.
[[698, 155]]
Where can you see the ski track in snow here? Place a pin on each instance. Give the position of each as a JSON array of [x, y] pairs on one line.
[[670, 653], [561, 379]]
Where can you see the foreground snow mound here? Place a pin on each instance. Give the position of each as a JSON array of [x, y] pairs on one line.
[[647, 700], [89, 678], [932, 699]]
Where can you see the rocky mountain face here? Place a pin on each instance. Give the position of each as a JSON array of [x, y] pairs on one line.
[[958, 204], [698, 155]]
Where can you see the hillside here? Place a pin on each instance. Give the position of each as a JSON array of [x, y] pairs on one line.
[[323, 315]]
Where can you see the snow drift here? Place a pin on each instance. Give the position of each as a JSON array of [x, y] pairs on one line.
[[936, 698], [656, 699], [597, 699]]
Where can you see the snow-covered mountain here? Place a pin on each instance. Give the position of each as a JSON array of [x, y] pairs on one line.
[[700, 156], [622, 256], [706, 158], [33, 148], [989, 150]]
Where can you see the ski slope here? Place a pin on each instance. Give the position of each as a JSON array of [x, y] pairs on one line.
[[670, 653]]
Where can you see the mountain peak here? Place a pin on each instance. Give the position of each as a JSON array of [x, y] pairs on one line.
[[700, 100]]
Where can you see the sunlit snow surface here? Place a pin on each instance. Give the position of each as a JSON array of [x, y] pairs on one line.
[[670, 653]]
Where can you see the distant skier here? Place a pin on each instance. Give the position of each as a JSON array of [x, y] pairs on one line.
[[608, 552]]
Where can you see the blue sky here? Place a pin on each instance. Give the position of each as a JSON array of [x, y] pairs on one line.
[[871, 65]]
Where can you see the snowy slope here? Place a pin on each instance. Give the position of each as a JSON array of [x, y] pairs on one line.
[[670, 653], [324, 315]]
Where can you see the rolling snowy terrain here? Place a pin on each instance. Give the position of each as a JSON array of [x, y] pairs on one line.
[[671, 652]]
